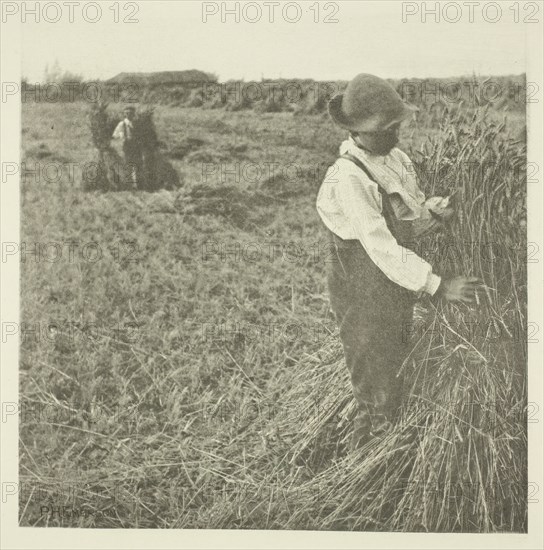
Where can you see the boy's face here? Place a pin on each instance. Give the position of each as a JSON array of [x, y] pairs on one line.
[[379, 142], [129, 113]]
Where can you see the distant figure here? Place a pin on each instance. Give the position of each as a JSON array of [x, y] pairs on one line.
[[127, 131]]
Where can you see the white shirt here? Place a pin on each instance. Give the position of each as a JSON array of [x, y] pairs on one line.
[[124, 125], [350, 205]]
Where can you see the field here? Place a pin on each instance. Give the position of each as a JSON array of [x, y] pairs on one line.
[[180, 367]]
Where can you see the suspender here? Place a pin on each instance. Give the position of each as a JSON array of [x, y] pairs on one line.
[[400, 229], [126, 133], [357, 162]]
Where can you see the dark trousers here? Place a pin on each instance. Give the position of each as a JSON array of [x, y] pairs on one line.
[[374, 316], [134, 163]]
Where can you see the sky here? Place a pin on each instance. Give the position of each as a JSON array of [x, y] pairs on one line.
[[360, 36]]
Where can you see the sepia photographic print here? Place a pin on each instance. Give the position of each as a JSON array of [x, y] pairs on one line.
[[272, 274]]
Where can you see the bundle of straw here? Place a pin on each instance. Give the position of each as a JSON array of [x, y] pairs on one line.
[[457, 459]]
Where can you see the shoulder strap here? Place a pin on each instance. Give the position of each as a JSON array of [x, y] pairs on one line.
[[400, 229], [358, 163], [387, 209]]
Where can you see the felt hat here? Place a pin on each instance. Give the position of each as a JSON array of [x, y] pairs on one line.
[[369, 104]]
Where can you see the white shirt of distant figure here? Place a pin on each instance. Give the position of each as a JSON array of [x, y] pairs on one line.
[[124, 131]]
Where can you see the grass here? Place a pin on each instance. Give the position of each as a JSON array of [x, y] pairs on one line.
[[189, 374]]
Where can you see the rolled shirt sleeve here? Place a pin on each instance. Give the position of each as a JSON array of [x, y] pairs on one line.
[[361, 202]]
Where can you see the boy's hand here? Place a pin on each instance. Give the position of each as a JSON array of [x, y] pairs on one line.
[[444, 216], [439, 208], [459, 289]]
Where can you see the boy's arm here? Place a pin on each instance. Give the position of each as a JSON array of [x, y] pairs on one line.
[[361, 203], [438, 207]]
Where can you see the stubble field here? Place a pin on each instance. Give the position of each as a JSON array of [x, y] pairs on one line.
[[180, 367]]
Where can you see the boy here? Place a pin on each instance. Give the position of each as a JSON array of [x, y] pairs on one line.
[[373, 210]]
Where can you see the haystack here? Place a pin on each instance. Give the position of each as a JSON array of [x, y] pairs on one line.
[[109, 172]]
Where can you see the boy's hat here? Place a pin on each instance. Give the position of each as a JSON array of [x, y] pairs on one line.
[[369, 104], [129, 108]]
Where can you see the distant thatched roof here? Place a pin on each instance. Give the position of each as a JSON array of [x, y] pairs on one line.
[[164, 77]]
